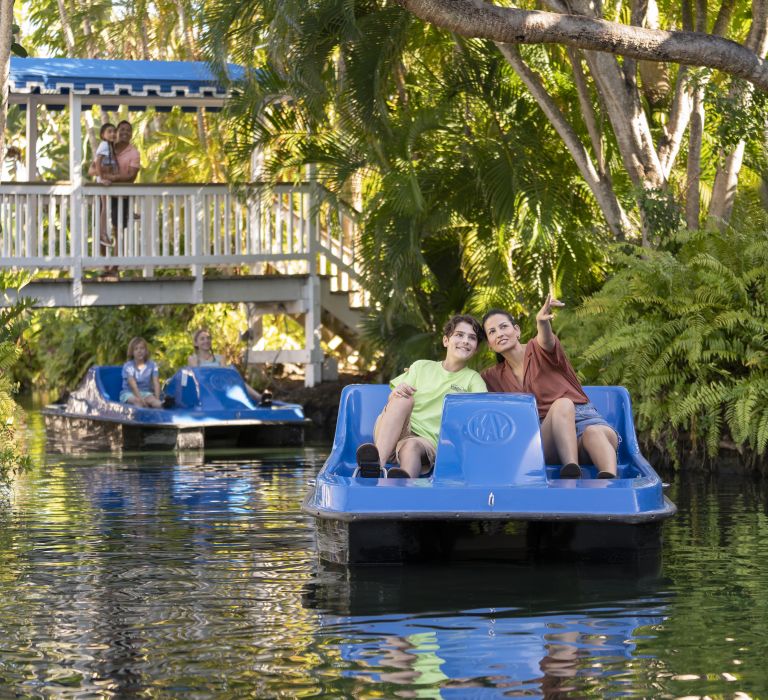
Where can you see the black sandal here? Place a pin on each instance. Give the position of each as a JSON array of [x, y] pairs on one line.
[[570, 471], [368, 465]]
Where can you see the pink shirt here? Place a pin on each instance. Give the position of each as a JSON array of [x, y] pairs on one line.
[[128, 158]]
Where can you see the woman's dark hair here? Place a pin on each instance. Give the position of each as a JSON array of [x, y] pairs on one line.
[[104, 127], [498, 312], [454, 321]]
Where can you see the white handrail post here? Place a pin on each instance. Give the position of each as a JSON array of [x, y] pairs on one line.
[[31, 138], [197, 245], [76, 195], [312, 319], [33, 234]]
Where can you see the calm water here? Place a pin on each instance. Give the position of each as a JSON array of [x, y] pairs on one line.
[[158, 577]]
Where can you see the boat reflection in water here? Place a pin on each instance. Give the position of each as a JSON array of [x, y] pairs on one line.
[[492, 631]]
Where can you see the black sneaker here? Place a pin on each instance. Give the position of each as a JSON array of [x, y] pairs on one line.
[[368, 465], [570, 471]]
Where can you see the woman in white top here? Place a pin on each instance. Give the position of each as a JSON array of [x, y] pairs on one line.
[[203, 356]]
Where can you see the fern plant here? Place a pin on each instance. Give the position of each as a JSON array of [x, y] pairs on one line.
[[687, 334]]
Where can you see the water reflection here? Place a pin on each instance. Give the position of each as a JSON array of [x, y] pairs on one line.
[[121, 575], [537, 631], [196, 576]]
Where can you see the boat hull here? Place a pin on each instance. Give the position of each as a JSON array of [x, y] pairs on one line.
[[68, 434], [401, 541]]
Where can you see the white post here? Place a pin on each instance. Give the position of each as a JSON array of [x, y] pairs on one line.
[[32, 173], [76, 194], [312, 320], [196, 219], [33, 230]]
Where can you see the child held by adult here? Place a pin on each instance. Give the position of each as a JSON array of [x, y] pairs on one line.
[[141, 384], [572, 430], [104, 167], [407, 429]]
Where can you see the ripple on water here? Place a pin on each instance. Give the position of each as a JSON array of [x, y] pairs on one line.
[[142, 577]]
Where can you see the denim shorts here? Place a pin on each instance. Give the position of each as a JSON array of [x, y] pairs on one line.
[[125, 395], [586, 415]]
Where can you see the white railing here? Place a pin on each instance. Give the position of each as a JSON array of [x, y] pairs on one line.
[[284, 229]]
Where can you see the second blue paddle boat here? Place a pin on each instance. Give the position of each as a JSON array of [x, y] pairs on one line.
[[490, 495], [206, 407]]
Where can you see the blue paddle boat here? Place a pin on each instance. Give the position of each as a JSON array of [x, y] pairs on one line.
[[206, 407], [490, 495]]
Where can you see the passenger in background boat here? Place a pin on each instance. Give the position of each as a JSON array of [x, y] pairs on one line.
[[203, 356], [572, 431], [407, 429], [141, 385]]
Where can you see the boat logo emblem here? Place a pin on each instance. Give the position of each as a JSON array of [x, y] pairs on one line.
[[491, 426], [219, 383]]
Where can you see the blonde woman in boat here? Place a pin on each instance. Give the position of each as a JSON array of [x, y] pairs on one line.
[[203, 356]]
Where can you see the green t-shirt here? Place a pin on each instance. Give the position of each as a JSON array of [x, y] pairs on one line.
[[432, 383]]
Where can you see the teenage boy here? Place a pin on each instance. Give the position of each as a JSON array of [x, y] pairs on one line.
[[406, 431]]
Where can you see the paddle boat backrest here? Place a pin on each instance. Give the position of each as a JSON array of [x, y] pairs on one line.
[[490, 439], [209, 388], [109, 381], [484, 438]]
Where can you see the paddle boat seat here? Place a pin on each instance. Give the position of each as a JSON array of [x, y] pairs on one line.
[[484, 438], [109, 381]]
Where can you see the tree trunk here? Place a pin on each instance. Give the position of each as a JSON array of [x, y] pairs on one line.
[[615, 217], [726, 178], [475, 18], [6, 40]]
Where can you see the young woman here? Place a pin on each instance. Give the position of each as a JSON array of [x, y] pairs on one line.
[[572, 431], [141, 385]]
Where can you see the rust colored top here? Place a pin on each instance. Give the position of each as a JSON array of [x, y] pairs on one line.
[[547, 375]]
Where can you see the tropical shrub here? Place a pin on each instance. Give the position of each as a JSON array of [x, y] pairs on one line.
[[687, 334], [12, 321]]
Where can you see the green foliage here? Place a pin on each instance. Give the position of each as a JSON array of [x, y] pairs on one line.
[[687, 335], [466, 198], [63, 343], [736, 111], [12, 324]]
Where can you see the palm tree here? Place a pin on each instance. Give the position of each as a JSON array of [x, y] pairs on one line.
[[466, 200]]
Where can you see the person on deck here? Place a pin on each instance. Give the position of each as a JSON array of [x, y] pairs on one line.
[[203, 356], [572, 430], [141, 385], [105, 163], [407, 429], [128, 166]]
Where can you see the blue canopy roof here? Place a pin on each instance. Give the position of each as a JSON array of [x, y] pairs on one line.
[[94, 77]]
